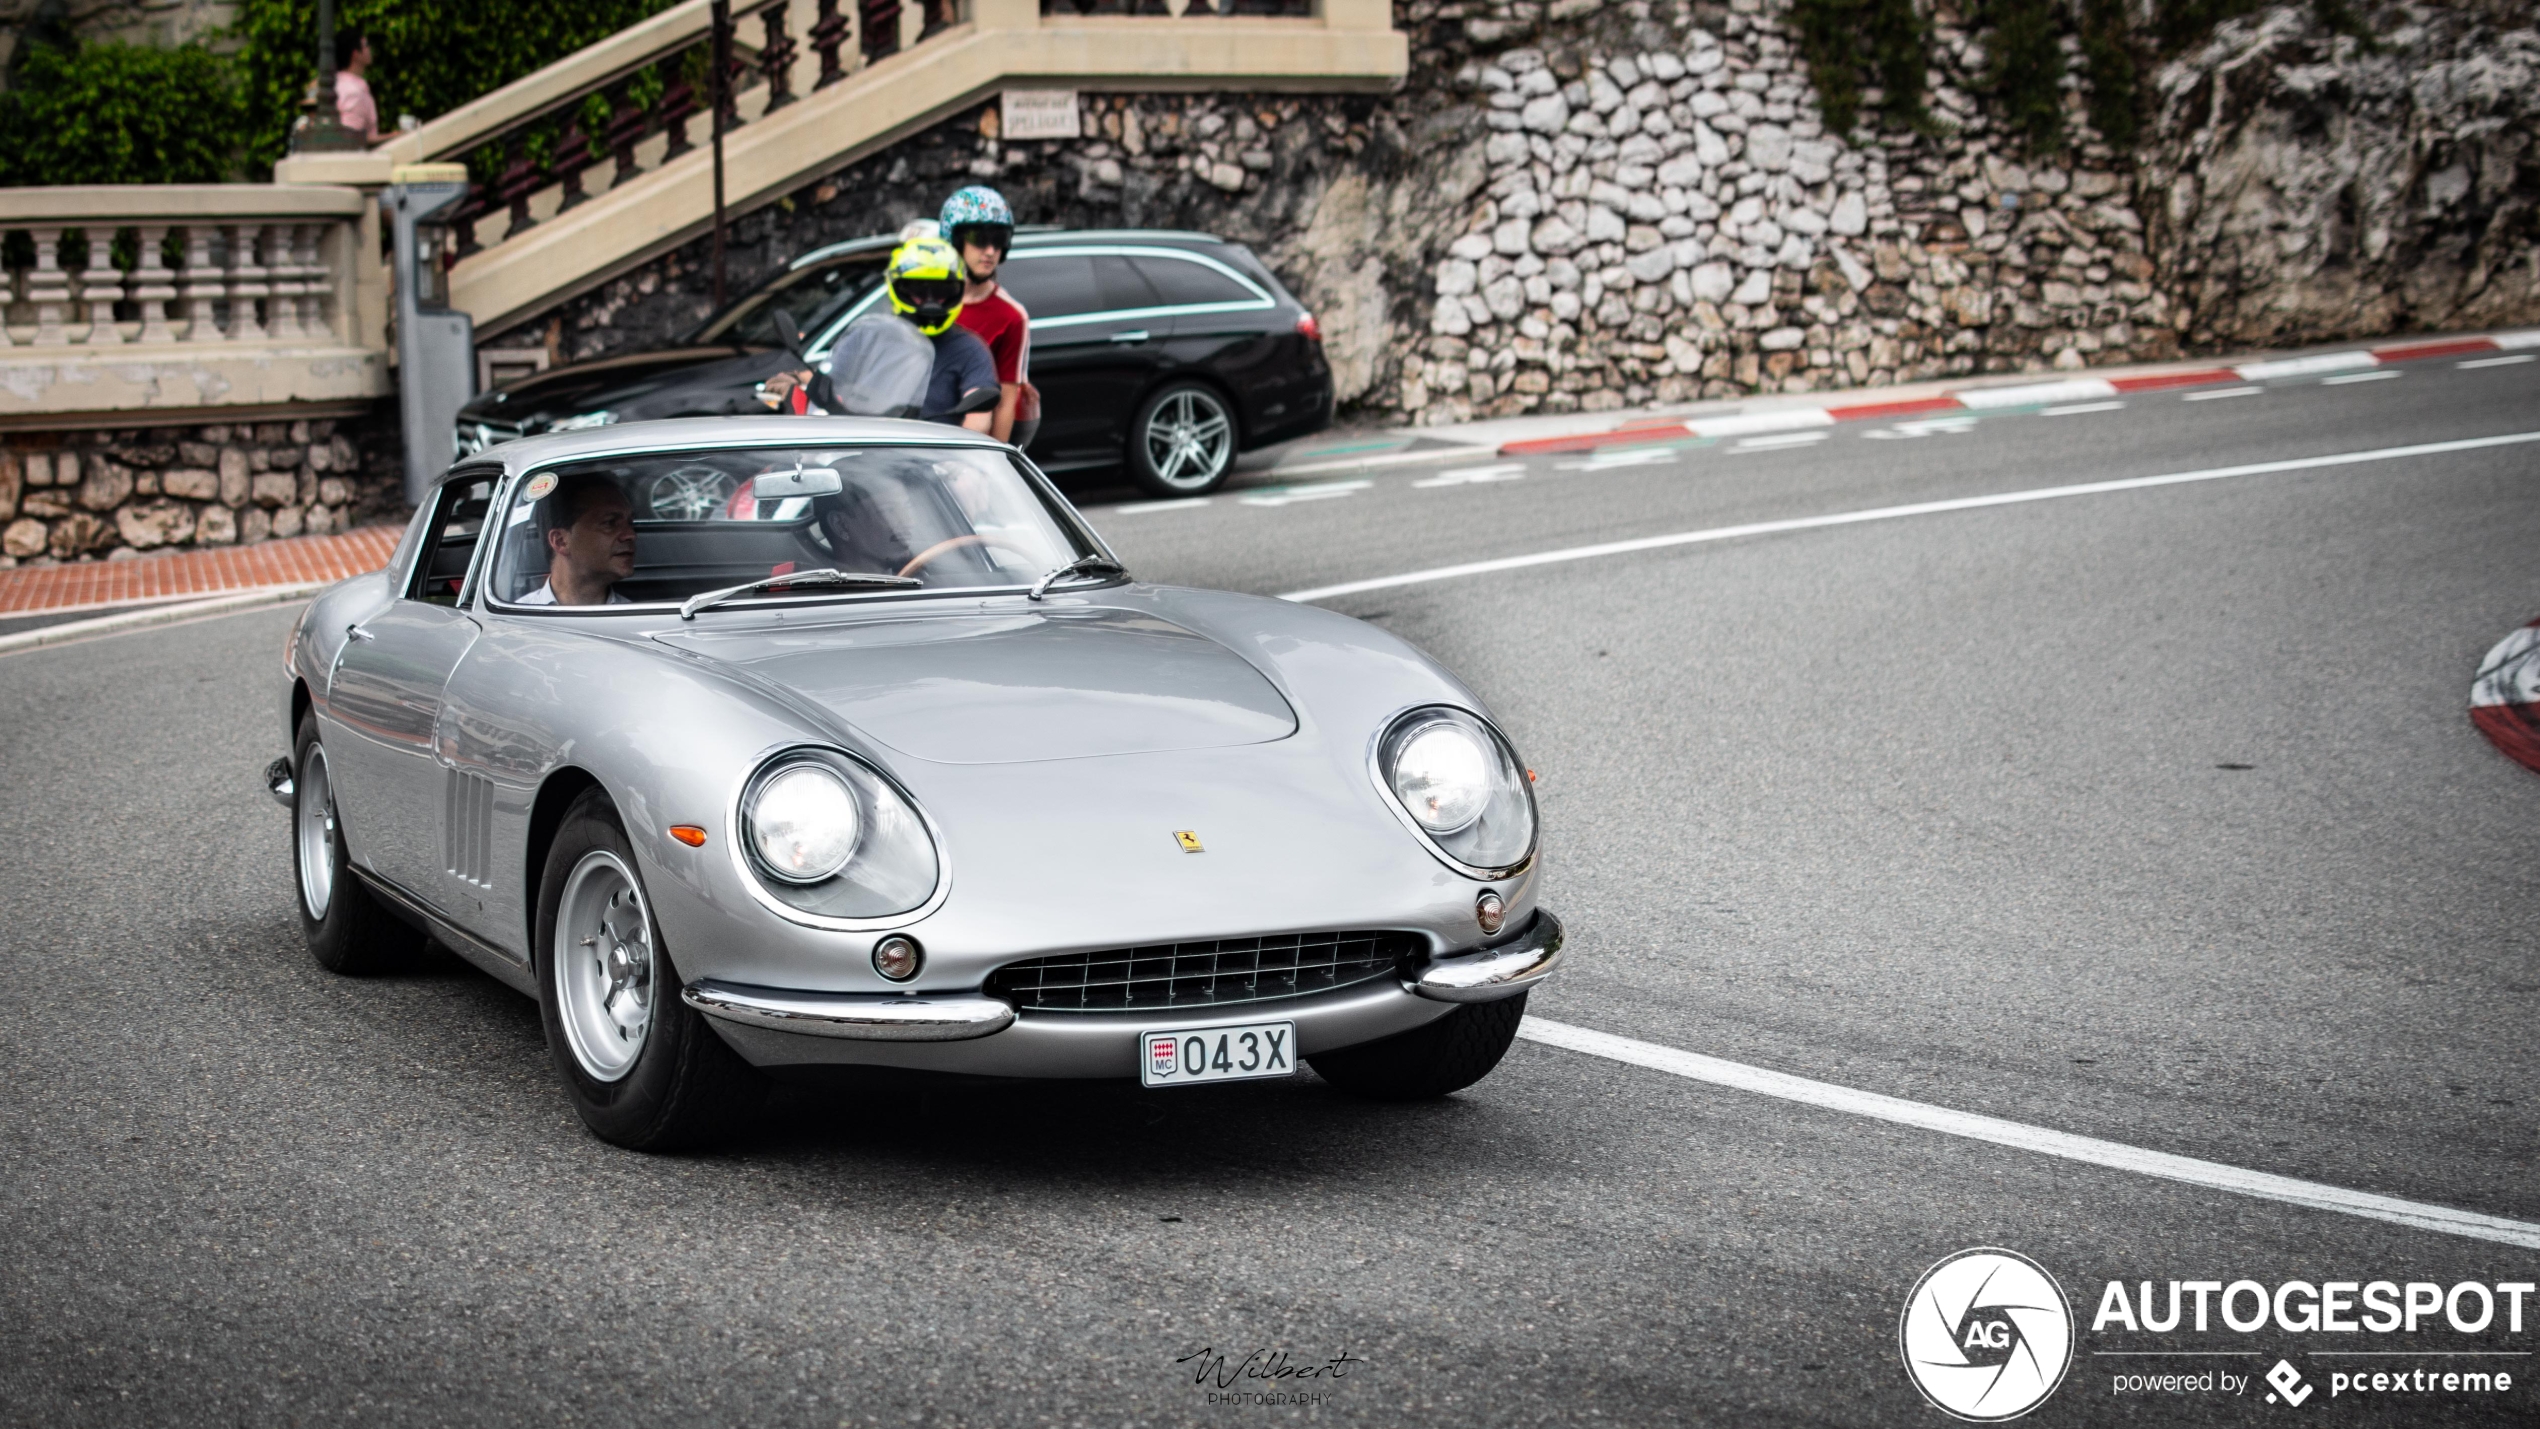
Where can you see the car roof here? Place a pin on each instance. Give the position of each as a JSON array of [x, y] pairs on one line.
[[691, 433], [1023, 238]]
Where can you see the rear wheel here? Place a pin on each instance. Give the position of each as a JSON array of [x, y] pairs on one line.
[[1445, 1056], [642, 1068], [1182, 442], [347, 928]]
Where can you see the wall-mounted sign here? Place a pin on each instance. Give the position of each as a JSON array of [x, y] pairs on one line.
[[1041, 114]]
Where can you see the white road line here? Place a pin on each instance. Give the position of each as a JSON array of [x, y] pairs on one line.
[[2498, 361], [1626, 456], [1942, 426], [2381, 376], [2078, 408], [1775, 443], [1289, 495], [1361, 463], [2224, 392], [1748, 423], [2079, 389], [1474, 475], [1890, 513], [1140, 508], [2305, 366], [2115, 1155]]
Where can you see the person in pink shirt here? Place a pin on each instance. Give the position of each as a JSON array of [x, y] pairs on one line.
[[353, 103]]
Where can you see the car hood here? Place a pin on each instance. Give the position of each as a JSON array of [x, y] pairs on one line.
[[678, 382], [1008, 687]]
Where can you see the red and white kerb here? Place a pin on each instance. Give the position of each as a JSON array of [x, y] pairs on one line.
[[2504, 702]]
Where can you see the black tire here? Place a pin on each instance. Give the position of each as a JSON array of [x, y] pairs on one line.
[[348, 929], [1447, 1055], [684, 1088], [1183, 440]]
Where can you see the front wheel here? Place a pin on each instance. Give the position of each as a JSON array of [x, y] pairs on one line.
[[1445, 1056], [347, 928], [1182, 442], [642, 1068]]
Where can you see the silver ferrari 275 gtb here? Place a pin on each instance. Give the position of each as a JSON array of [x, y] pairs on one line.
[[759, 742]]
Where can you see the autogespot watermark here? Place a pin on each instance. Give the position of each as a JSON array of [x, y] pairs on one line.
[[1986, 1335], [2431, 1367]]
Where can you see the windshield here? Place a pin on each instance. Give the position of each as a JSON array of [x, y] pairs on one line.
[[812, 298], [661, 527]]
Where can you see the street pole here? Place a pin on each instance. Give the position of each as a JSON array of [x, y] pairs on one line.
[[322, 129], [722, 100]]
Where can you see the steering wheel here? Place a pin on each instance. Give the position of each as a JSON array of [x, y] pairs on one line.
[[954, 543]]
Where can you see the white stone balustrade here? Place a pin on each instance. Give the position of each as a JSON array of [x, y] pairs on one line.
[[181, 298], [256, 264]]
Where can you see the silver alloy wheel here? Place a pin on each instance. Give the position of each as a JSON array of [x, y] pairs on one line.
[[313, 834], [691, 493], [1189, 439], [602, 965]]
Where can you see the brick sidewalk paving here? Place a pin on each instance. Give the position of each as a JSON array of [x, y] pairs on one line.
[[295, 561]]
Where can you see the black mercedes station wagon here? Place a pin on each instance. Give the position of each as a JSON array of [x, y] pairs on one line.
[[1163, 353]]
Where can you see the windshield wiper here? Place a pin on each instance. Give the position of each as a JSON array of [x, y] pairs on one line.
[[822, 576], [1082, 565]]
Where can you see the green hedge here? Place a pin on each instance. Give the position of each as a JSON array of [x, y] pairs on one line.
[[121, 114], [130, 114]]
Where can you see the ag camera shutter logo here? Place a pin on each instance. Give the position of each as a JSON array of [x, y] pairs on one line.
[[1986, 1335]]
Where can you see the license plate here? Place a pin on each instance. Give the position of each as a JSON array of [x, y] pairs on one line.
[[1217, 1054]]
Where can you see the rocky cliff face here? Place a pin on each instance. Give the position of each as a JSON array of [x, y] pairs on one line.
[[2315, 190]]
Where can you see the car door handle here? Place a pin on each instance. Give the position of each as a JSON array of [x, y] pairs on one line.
[[355, 632], [1139, 336]]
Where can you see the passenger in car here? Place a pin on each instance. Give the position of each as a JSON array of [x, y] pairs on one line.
[[588, 526]]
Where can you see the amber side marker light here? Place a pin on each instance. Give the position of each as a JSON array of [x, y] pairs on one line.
[[689, 834]]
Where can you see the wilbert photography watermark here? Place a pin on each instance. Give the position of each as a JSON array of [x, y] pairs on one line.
[[1268, 1378]]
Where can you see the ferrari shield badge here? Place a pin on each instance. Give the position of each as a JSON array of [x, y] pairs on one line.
[[1189, 840]]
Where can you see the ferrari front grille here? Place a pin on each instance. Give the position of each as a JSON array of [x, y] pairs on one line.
[[1210, 973]]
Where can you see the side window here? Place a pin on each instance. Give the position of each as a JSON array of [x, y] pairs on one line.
[[1180, 282], [450, 537], [1060, 285], [1117, 279]]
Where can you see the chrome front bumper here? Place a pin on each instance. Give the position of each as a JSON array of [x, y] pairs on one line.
[[1494, 973], [967, 1032], [861, 1017]]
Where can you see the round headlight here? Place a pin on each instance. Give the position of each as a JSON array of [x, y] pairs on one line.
[[804, 824], [1443, 777], [1460, 789]]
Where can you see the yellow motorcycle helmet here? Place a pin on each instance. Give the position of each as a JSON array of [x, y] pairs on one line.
[[925, 283]]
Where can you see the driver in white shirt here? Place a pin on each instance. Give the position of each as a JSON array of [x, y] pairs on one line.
[[589, 527]]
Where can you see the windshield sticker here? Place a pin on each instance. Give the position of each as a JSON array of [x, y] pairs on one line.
[[539, 486]]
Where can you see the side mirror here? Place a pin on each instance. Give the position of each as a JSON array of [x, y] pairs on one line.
[[801, 481]]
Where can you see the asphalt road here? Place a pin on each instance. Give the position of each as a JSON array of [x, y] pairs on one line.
[[2150, 815]]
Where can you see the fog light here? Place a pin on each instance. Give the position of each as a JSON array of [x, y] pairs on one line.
[[1488, 910], [897, 957]]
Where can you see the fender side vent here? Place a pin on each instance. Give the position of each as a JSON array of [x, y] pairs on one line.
[[467, 828]]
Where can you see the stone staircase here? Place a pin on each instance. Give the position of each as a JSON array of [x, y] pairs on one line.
[[817, 90]]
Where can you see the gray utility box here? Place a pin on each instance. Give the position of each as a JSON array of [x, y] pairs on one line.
[[436, 345]]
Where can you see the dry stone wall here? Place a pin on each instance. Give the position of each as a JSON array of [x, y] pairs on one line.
[[1672, 220], [126, 494]]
